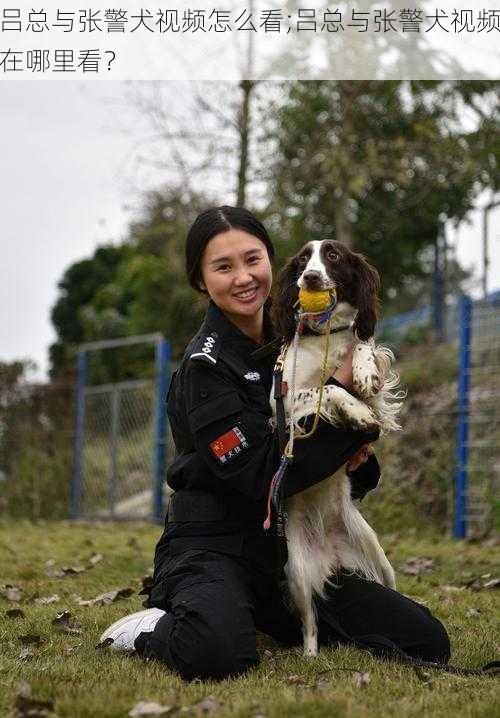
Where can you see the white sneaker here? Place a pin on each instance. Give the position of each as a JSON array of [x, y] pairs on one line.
[[126, 629]]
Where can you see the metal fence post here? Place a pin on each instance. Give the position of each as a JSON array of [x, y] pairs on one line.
[[462, 449], [160, 445], [76, 483]]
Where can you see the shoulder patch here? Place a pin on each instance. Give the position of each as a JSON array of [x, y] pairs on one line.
[[206, 348]]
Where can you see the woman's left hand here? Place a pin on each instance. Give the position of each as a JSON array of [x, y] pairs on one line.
[[344, 373], [360, 457]]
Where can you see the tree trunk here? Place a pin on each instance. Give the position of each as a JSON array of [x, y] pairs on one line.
[[244, 130], [343, 224]]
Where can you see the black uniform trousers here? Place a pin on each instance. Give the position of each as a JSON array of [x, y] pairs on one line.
[[215, 603]]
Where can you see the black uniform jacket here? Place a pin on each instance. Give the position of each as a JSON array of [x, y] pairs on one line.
[[226, 453]]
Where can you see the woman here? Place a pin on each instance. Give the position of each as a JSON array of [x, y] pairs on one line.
[[218, 574]]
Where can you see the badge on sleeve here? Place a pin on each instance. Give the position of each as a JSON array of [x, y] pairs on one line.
[[206, 348], [229, 445]]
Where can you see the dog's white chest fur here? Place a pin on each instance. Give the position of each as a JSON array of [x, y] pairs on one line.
[[311, 356]]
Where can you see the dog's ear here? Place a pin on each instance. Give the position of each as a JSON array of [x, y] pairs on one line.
[[285, 296], [367, 282]]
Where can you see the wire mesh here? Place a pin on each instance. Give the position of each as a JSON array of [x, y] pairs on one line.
[[117, 461], [483, 441]]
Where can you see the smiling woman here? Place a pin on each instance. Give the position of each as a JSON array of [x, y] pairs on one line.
[[218, 574], [236, 273]]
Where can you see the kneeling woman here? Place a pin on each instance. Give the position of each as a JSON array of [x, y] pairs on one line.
[[218, 574]]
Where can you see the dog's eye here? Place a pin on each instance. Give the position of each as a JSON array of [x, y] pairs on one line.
[[333, 256]]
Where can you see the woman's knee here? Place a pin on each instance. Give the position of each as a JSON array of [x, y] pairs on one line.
[[194, 646], [213, 658]]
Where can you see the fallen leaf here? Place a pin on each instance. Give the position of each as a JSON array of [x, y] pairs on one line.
[[13, 593], [71, 570], [26, 706], [67, 623], [472, 613], [104, 598], [478, 584], [494, 583], [207, 705], [361, 680], [30, 638], [145, 708], [95, 559], [26, 654], [14, 613], [417, 565], [46, 600], [53, 572]]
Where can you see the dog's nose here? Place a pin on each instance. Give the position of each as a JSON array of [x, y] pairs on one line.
[[312, 279]]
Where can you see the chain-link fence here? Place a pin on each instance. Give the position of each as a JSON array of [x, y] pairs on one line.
[[478, 434], [121, 441], [117, 455], [450, 446]]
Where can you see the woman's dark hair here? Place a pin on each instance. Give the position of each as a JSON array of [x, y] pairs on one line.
[[215, 221]]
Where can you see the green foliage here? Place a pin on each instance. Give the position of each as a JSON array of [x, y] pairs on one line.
[[36, 444], [138, 288], [77, 288], [380, 165]]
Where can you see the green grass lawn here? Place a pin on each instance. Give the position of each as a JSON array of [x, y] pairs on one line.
[[65, 667]]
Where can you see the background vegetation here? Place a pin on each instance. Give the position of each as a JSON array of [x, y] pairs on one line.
[[381, 166]]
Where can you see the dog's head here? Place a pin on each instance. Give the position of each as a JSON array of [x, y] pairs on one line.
[[326, 265]]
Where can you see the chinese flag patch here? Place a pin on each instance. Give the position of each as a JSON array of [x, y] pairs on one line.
[[229, 445]]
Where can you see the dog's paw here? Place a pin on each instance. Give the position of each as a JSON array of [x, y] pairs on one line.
[[359, 416], [366, 385]]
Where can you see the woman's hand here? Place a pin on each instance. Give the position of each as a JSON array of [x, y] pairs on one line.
[[359, 457], [344, 373]]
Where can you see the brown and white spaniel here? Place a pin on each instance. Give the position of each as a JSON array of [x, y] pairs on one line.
[[325, 530]]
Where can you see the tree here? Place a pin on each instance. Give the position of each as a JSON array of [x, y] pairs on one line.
[[380, 166], [77, 287], [136, 288]]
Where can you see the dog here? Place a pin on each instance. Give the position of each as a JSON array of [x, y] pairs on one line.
[[325, 530]]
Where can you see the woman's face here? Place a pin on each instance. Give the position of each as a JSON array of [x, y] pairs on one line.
[[236, 272]]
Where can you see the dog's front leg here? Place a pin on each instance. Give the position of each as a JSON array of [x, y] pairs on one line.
[[366, 377], [337, 406]]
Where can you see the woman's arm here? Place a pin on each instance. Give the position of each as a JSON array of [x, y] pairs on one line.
[[236, 446]]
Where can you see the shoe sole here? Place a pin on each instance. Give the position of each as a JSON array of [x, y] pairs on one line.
[[126, 619]]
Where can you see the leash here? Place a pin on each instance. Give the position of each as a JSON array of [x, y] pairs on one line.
[[274, 496]]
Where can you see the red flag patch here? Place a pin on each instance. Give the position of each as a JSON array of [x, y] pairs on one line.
[[229, 445]]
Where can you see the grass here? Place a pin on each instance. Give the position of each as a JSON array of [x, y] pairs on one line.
[[84, 682]]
